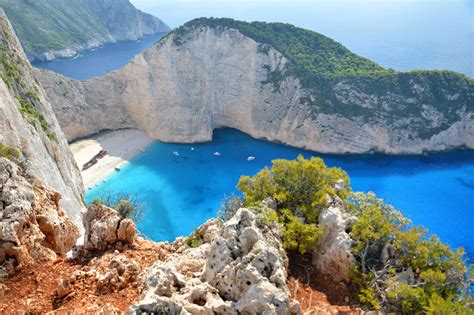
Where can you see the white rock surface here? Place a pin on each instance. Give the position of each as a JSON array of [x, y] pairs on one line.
[[333, 255], [213, 79], [242, 270], [48, 160], [104, 228], [33, 228]]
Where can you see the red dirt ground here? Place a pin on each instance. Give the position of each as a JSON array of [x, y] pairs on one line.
[[33, 290], [316, 293]]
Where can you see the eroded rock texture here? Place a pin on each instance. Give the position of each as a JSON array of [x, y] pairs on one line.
[[241, 270], [105, 229], [33, 227]]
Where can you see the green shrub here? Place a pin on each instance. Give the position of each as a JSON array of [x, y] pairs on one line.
[[301, 189], [126, 204], [386, 246], [301, 186], [195, 239], [10, 153], [399, 268]]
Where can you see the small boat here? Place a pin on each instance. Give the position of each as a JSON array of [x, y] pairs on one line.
[[176, 153], [217, 153], [118, 168], [192, 149], [251, 158]]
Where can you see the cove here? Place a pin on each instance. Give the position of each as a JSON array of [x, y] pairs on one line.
[[180, 192], [100, 61]]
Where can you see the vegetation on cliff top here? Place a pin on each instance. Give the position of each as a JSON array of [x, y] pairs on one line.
[[399, 268], [341, 82], [58, 24]]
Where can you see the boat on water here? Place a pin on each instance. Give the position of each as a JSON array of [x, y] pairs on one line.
[[251, 158], [217, 153], [176, 153], [192, 149]]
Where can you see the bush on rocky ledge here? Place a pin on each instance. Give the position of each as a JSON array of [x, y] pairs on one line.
[[399, 268], [300, 189]]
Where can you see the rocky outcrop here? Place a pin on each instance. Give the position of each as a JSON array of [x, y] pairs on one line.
[[105, 229], [242, 270], [76, 26], [33, 227], [333, 256], [196, 80], [28, 124]]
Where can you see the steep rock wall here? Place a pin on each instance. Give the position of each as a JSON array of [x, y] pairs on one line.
[[32, 127], [181, 90]]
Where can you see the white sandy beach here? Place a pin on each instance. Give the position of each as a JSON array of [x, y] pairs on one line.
[[121, 146]]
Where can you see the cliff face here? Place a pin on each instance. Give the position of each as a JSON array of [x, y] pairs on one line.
[[188, 84], [28, 124], [50, 29]]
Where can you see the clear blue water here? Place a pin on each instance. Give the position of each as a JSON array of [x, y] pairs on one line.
[[182, 192], [98, 62]]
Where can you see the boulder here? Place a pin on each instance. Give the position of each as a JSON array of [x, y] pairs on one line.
[[333, 255], [240, 270], [105, 228], [33, 227]]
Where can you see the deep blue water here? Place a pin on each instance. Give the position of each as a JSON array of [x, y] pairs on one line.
[[98, 62], [181, 192], [399, 34]]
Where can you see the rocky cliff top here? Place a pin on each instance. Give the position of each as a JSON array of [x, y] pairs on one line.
[[271, 81]]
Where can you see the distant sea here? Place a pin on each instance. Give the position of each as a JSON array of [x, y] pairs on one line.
[[401, 34], [398, 34]]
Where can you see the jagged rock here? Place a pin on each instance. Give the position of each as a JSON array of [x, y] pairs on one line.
[[119, 273], [104, 228], [33, 228], [64, 288], [46, 155], [333, 255], [242, 270]]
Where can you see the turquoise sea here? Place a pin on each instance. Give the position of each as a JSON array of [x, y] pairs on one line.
[[181, 192]]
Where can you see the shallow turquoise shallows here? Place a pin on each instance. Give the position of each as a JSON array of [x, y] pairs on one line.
[[182, 191]]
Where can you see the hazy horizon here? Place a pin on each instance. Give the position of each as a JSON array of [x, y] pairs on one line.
[[403, 34]]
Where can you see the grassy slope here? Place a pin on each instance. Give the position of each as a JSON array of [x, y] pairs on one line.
[[320, 63], [44, 25]]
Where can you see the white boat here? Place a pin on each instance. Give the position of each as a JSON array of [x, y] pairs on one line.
[[217, 153], [192, 149], [251, 158], [176, 153], [118, 168]]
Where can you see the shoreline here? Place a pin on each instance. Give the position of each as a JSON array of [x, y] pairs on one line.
[[121, 146]]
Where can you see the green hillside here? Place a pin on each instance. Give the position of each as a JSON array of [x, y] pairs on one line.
[[45, 25], [323, 65]]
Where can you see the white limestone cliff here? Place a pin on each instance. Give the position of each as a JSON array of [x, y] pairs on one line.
[[214, 78], [46, 158]]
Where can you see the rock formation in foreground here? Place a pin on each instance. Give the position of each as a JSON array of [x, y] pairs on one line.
[[211, 74], [29, 126], [60, 29], [33, 227], [240, 268]]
